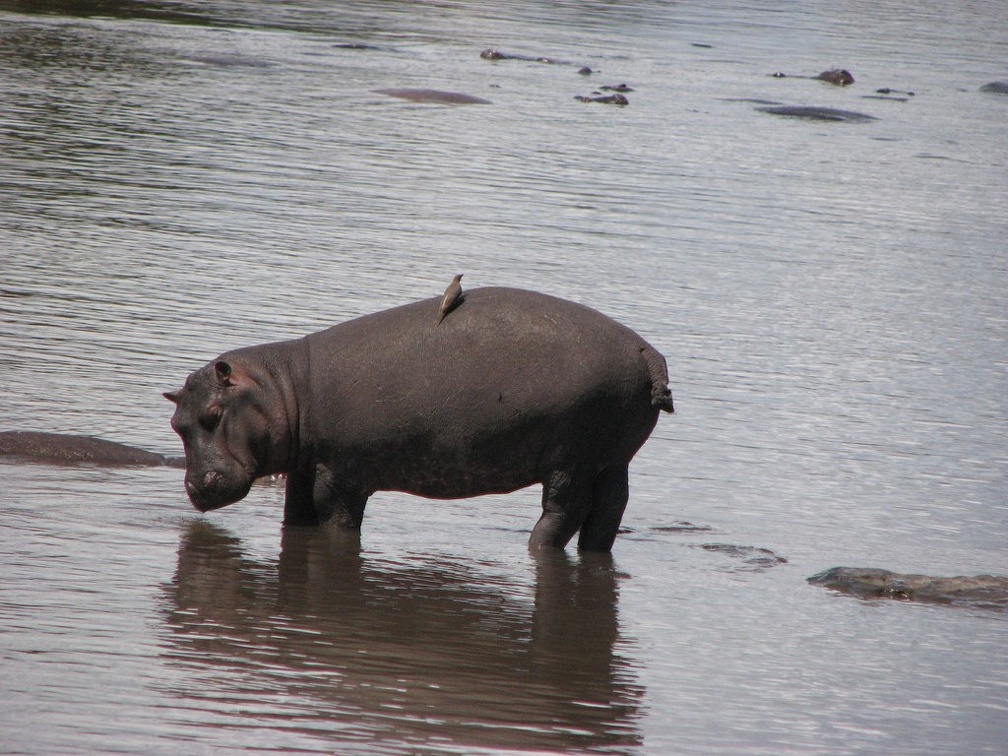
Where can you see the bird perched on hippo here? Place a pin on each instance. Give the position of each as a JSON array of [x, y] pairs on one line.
[[450, 299], [512, 388]]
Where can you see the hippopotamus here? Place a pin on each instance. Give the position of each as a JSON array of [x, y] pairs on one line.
[[995, 87], [436, 96], [613, 99], [510, 389], [984, 591], [60, 448], [891, 91], [814, 113], [492, 54], [839, 76]]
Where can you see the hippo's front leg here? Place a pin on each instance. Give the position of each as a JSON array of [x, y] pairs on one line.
[[315, 497]]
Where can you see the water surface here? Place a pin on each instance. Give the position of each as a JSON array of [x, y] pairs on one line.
[[180, 179]]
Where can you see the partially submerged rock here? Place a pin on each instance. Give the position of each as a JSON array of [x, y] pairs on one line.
[[982, 591]]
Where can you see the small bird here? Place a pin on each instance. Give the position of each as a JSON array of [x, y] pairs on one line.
[[450, 299]]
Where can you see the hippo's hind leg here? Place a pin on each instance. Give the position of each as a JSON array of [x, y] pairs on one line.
[[566, 499], [610, 493]]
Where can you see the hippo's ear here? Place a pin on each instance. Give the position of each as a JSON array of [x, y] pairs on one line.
[[222, 373], [171, 396]]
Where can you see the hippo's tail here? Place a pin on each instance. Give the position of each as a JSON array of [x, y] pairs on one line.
[[661, 394]]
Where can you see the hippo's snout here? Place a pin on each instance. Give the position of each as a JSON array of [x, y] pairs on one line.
[[212, 490]]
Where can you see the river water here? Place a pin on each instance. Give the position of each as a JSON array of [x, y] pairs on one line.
[[177, 179]]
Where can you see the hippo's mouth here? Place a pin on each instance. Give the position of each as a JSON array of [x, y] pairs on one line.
[[213, 490]]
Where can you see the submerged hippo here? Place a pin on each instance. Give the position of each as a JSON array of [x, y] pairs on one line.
[[814, 113], [492, 54], [613, 99], [617, 88], [61, 448], [435, 96], [512, 388], [839, 76]]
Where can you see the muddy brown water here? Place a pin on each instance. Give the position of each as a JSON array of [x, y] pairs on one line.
[[177, 180]]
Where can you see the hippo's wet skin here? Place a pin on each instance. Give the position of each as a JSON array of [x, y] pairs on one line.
[[838, 76], [995, 87], [982, 591], [59, 448], [891, 91], [510, 389], [813, 113], [492, 54], [613, 99], [435, 96]]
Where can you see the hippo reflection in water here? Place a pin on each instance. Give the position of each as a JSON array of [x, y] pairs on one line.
[[483, 664]]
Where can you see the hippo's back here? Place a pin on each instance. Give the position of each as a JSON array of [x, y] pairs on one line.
[[506, 368], [60, 448], [497, 342]]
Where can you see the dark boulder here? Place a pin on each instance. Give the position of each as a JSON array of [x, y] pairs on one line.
[[982, 591]]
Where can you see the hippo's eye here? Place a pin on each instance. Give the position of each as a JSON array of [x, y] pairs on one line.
[[211, 418]]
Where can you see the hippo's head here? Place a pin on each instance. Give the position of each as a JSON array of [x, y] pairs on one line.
[[225, 426]]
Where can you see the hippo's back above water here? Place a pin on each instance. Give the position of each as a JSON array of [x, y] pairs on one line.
[[60, 448]]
